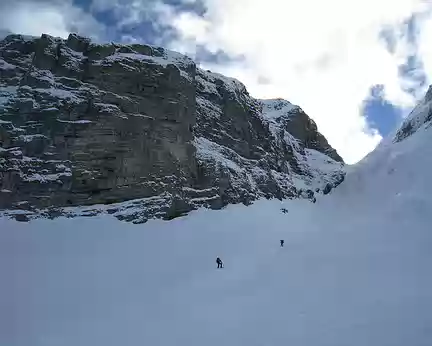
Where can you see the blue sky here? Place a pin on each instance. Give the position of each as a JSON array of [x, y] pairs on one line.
[[380, 113], [356, 71]]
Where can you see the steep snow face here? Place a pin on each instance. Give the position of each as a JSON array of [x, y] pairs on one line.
[[355, 269], [399, 167]]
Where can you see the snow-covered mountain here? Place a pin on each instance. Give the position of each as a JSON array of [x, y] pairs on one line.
[[139, 132], [354, 271]]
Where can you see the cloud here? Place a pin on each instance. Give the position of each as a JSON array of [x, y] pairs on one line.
[[322, 55], [54, 17], [143, 20], [425, 47]]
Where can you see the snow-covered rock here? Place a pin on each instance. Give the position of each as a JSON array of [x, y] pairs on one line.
[[89, 124], [421, 116], [258, 148]]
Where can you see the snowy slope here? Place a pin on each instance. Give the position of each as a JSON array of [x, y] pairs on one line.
[[355, 269]]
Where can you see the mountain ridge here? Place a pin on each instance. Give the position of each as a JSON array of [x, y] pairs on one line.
[[90, 124]]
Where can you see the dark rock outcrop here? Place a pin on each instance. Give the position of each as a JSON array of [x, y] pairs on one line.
[[87, 124]]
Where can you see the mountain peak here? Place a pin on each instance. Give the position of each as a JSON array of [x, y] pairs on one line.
[[275, 108]]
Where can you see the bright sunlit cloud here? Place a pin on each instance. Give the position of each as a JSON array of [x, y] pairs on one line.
[[322, 55]]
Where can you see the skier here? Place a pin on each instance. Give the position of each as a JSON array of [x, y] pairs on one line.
[[282, 242], [219, 262]]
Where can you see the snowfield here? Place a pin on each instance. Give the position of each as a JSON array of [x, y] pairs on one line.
[[355, 269]]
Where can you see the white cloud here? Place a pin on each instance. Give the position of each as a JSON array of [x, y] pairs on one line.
[[54, 17], [30, 19], [131, 14], [425, 46], [322, 55]]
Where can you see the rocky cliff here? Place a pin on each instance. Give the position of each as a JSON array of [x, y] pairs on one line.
[[421, 116], [139, 131]]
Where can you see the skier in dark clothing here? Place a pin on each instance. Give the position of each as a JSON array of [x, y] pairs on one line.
[[282, 242], [219, 262]]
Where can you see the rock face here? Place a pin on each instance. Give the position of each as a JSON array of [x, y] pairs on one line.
[[84, 124], [421, 116]]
